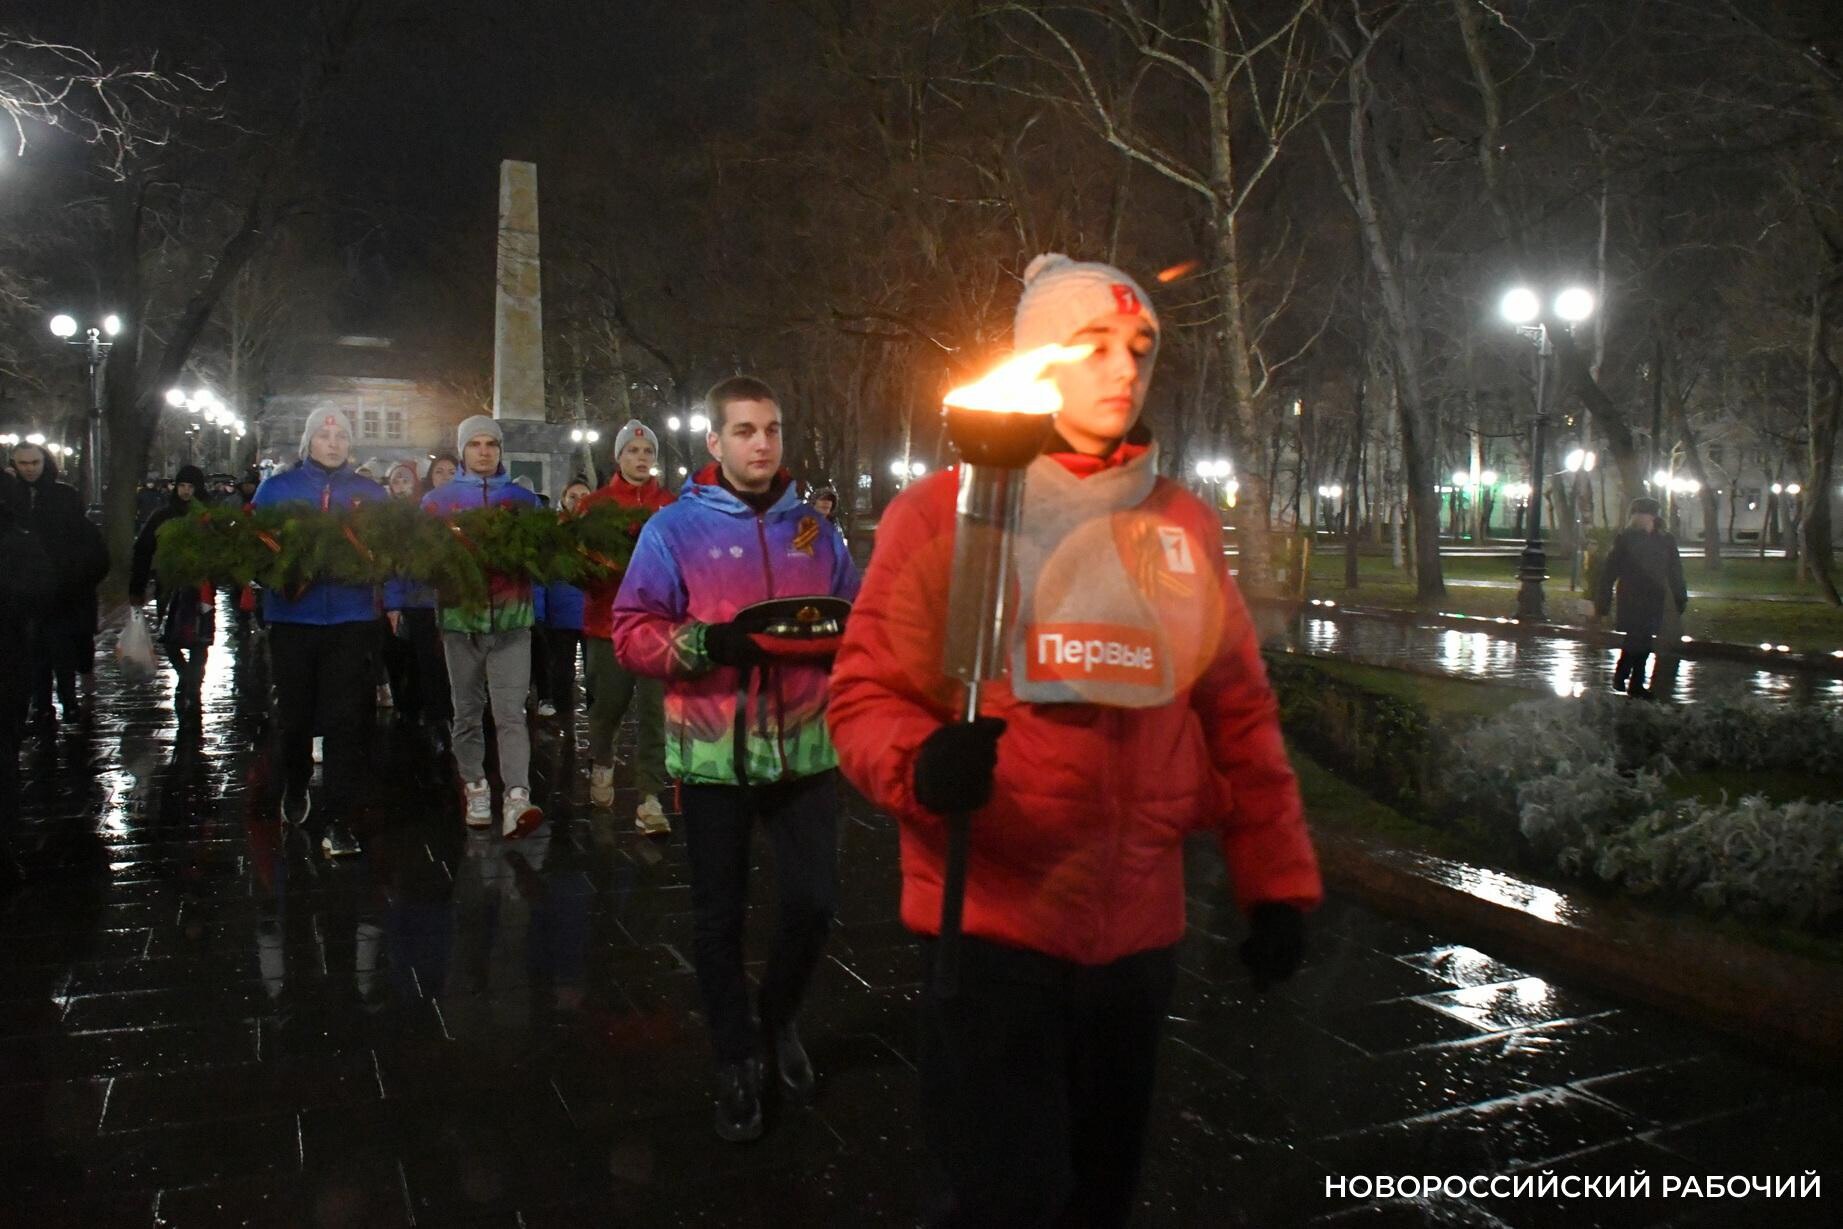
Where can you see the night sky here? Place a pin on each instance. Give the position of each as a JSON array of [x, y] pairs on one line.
[[440, 92]]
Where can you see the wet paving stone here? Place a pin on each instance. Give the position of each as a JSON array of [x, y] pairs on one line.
[[203, 1023]]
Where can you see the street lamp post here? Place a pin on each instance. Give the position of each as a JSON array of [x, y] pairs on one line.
[[95, 350], [1523, 309], [1580, 463], [1330, 494]]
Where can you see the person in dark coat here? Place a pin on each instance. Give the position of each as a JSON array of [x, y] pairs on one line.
[[188, 613], [64, 644], [1644, 570], [19, 553]]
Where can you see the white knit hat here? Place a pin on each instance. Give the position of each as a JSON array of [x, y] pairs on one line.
[[627, 434], [1062, 295], [477, 424], [323, 418]]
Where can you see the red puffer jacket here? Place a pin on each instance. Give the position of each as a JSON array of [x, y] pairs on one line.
[[598, 599], [1080, 852]]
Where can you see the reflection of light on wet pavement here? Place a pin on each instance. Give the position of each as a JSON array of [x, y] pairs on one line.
[[1562, 672], [1547, 664], [1533, 899], [1498, 1005], [116, 788]]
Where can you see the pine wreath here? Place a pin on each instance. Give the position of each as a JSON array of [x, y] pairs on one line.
[[289, 548]]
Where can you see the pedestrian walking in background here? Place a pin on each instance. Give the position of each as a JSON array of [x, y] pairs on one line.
[[746, 733], [320, 644], [612, 687], [396, 657], [563, 615], [1642, 573], [1081, 779], [420, 672], [64, 627], [25, 567], [187, 614], [488, 648]]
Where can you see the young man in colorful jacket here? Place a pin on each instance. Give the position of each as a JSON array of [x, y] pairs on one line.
[[738, 535], [320, 641], [1136, 710], [634, 484], [488, 647]]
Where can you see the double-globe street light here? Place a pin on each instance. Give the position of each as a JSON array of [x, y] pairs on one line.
[[1522, 307], [587, 438], [95, 341], [693, 426]]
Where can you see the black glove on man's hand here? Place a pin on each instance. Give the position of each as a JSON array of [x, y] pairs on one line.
[[728, 645], [953, 770], [1275, 943]]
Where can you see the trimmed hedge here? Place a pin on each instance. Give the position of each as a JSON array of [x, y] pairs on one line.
[[1583, 786]]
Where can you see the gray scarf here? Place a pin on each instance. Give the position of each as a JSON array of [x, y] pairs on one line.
[[1086, 632]]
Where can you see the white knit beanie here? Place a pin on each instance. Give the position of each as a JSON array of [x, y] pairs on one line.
[[627, 434], [477, 424], [317, 419], [1061, 296]]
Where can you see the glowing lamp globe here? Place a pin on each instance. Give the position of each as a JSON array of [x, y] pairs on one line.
[[1520, 306]]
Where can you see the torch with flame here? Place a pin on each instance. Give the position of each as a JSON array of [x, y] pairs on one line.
[[999, 424]]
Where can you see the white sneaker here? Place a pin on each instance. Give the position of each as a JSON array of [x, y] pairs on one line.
[[479, 804], [651, 819], [522, 816], [383, 696], [601, 785], [547, 709], [319, 749]]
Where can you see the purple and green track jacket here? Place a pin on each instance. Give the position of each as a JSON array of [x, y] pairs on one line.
[[698, 562], [509, 603]]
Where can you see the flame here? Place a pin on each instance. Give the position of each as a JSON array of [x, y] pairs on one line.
[[1017, 385], [1181, 269]]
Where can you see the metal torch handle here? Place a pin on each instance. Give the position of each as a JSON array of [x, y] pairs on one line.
[[953, 886]]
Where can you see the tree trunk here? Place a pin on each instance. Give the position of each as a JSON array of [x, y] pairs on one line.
[[1823, 409], [1404, 347], [1252, 505], [1711, 510], [1353, 474], [1254, 502]]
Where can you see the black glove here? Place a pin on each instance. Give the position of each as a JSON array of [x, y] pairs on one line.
[[728, 645], [1275, 943], [953, 770]]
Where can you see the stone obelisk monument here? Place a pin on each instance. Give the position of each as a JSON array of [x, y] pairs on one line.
[[534, 448]]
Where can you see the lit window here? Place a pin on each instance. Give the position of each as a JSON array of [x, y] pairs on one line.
[[393, 425]]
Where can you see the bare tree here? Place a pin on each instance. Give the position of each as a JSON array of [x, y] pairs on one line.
[[1249, 74]]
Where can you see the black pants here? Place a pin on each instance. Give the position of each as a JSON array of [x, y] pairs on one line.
[[62, 649], [428, 699], [1036, 1083], [189, 665], [563, 645], [323, 683], [802, 822], [15, 690], [1632, 658]]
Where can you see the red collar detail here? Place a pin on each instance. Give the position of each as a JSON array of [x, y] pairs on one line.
[[1084, 466]]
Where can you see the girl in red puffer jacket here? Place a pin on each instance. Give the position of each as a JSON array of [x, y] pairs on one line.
[[1136, 711]]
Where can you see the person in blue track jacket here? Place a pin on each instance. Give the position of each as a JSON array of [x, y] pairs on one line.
[[320, 642]]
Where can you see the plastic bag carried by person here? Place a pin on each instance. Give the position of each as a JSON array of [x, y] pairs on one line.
[[134, 648]]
